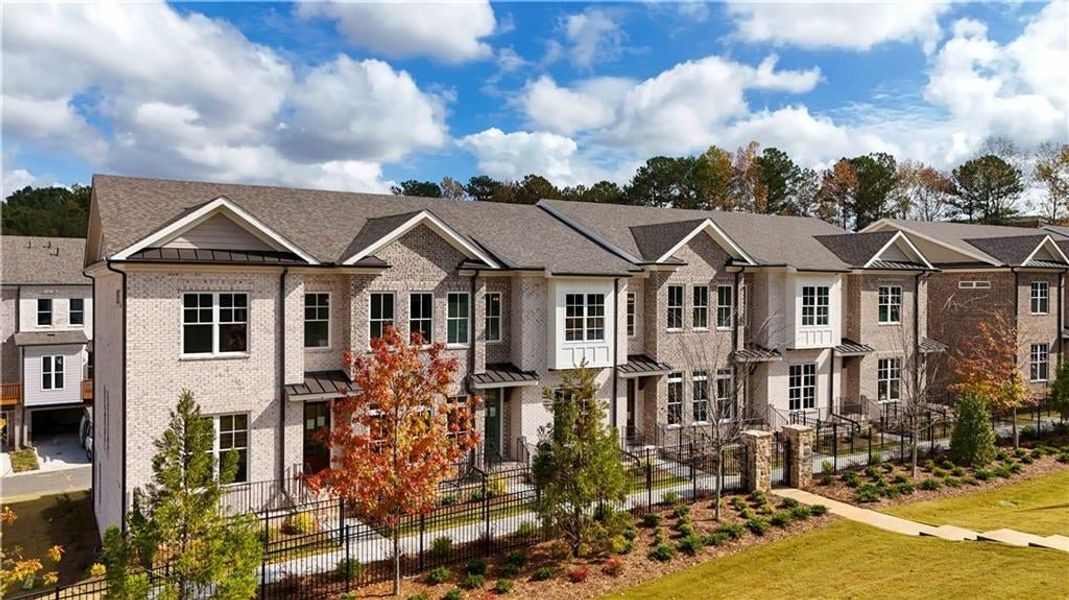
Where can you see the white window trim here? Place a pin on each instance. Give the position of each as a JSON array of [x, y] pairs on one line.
[[816, 305], [695, 378], [1045, 297], [586, 318], [69, 311], [500, 318], [393, 318], [974, 285], [880, 380], [468, 318], [330, 319], [217, 451], [801, 397], [51, 313], [52, 371], [215, 353], [682, 307], [429, 340], [730, 378], [694, 307], [730, 307], [1033, 362], [879, 304], [674, 377], [631, 315]]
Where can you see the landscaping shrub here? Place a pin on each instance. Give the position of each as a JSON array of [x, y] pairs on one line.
[[789, 503], [876, 459], [767, 509], [738, 503], [613, 567], [579, 574], [442, 546], [972, 441], [1027, 460], [905, 488], [871, 472], [503, 586], [929, 465], [518, 558], [1063, 457], [302, 522], [448, 500], [1002, 471], [938, 472], [887, 467], [476, 566], [1001, 455], [472, 581], [439, 575], [662, 552], [757, 526], [818, 510], [983, 474], [781, 519], [681, 511], [686, 529], [97, 570], [24, 460], [827, 472], [952, 482], [508, 570], [651, 519], [497, 485], [901, 478], [757, 497], [746, 513], [671, 498], [349, 568], [527, 529], [734, 530], [658, 537], [621, 545], [930, 484], [418, 597], [957, 471], [716, 538], [1016, 468], [690, 544], [542, 573], [969, 480], [851, 479], [452, 595], [867, 493], [946, 464], [630, 533], [800, 513], [1037, 453]]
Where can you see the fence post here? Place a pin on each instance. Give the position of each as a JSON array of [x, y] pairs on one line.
[[870, 447], [348, 559], [834, 447], [422, 529], [693, 477], [486, 516], [649, 481]]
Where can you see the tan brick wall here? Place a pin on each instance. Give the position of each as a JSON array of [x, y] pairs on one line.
[[108, 402], [330, 358], [888, 340], [1037, 328], [9, 353], [497, 352]]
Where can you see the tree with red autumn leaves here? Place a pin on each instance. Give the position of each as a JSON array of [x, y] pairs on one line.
[[396, 438], [990, 367]]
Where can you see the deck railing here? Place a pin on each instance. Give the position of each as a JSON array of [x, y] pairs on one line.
[[87, 390], [10, 394]]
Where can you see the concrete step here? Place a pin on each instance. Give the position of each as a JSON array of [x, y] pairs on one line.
[[1010, 537], [1057, 542], [952, 533]]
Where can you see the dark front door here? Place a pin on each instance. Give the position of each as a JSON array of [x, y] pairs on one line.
[[316, 429], [631, 393], [492, 424]]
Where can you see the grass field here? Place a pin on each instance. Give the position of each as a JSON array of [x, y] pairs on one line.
[[850, 560], [64, 519], [1039, 506]]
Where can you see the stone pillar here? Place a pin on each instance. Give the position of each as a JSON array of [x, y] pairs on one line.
[[757, 475], [800, 440]]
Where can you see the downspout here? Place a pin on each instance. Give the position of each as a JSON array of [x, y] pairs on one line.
[[125, 400], [1058, 327], [916, 331], [282, 375], [831, 382], [735, 332], [20, 434], [471, 338], [616, 346]]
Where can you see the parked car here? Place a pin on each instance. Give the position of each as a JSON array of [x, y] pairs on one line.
[[85, 432]]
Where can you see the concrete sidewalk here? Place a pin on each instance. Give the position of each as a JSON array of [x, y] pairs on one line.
[[34, 484], [861, 515]]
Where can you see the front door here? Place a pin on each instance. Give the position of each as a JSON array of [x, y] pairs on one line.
[[316, 429], [631, 393], [492, 424]]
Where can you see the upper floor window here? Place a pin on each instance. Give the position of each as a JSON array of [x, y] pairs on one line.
[[724, 405], [317, 320], [381, 313], [232, 433], [76, 311], [700, 308], [493, 317], [724, 306], [675, 398], [631, 314], [890, 304], [420, 315], [44, 311], [675, 307], [700, 382], [802, 387], [215, 323], [52, 372], [1040, 297], [457, 318], [974, 285], [889, 379], [814, 305], [584, 317], [1039, 368]]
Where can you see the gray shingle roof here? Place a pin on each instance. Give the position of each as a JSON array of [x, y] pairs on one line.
[[33, 260], [1010, 250], [325, 224], [963, 236], [856, 248], [768, 239]]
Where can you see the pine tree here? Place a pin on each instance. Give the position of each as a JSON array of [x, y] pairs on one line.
[[1059, 390], [177, 520], [577, 467], [972, 442]]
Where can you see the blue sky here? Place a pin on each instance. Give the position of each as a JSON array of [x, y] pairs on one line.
[[355, 96]]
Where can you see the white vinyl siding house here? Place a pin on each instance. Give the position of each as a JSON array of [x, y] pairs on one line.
[[53, 374]]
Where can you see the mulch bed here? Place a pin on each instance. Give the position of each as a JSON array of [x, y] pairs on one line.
[[963, 484], [635, 567]]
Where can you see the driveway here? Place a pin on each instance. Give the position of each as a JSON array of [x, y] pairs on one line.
[[24, 486]]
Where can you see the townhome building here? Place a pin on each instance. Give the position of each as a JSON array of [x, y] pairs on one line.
[[1005, 276], [46, 334]]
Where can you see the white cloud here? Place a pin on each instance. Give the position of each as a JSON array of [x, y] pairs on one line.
[[561, 110], [852, 25], [510, 156], [508, 60], [450, 32], [594, 36]]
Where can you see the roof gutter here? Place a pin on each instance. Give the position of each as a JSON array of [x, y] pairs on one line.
[[282, 374], [108, 266], [616, 348]]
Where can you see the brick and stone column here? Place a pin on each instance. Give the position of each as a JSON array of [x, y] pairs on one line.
[[800, 440], [757, 476]]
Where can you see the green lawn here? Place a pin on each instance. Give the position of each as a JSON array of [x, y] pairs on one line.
[[1039, 506], [63, 519], [850, 560]]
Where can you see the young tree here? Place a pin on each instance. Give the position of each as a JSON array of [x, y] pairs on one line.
[[452, 189], [990, 367], [1052, 170], [177, 520], [985, 190], [1059, 390], [397, 438], [917, 376], [16, 569], [577, 465], [972, 441]]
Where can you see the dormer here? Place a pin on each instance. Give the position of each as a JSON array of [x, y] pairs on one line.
[[813, 305], [581, 322]]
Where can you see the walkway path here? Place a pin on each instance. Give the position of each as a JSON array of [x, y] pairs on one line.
[[907, 527], [26, 486]]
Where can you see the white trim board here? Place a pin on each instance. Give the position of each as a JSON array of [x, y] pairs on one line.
[[895, 238]]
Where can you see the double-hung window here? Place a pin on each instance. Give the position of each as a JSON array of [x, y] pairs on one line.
[[493, 316], [700, 309], [52, 372], [381, 314], [675, 398], [724, 306], [44, 312], [675, 307], [725, 406], [889, 379], [215, 323], [232, 433], [802, 387], [317, 320], [420, 315], [584, 317], [814, 305], [1039, 368], [457, 318], [76, 311], [700, 407], [890, 304], [1040, 297], [631, 314]]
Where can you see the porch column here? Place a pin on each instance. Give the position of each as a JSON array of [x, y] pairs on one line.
[[757, 474], [800, 439]]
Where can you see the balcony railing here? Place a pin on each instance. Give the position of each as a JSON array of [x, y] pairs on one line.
[[87, 390], [10, 394]]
